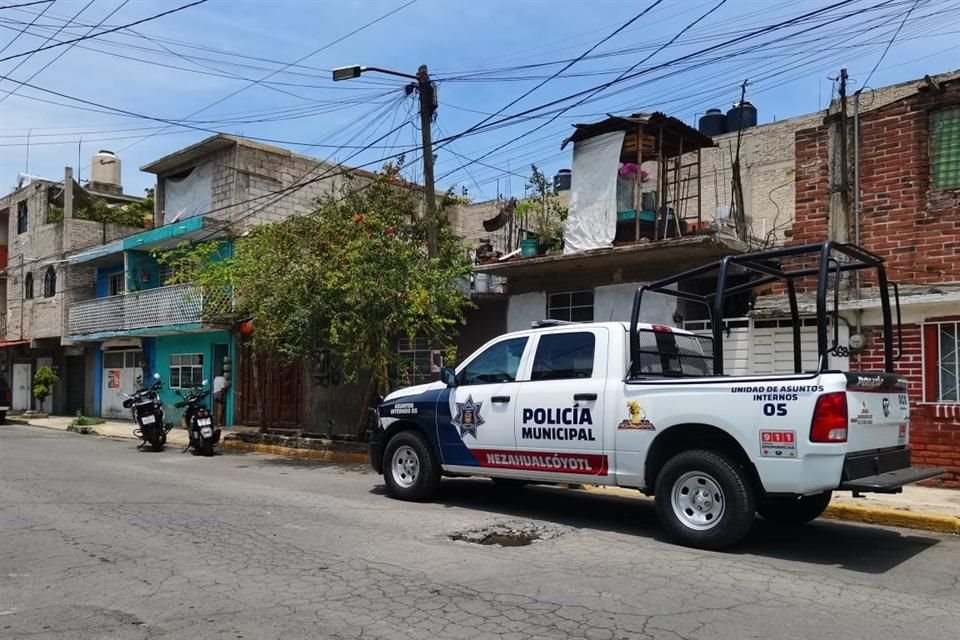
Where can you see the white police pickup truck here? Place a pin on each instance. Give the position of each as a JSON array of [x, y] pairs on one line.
[[647, 407]]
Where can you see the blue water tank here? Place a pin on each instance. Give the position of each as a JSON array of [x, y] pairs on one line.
[[713, 123], [741, 115]]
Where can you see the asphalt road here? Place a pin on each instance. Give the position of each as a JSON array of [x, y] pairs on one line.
[[100, 541]]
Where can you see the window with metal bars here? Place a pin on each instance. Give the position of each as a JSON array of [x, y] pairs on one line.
[[116, 284], [575, 306], [23, 215], [419, 363], [186, 370], [945, 148], [941, 362]]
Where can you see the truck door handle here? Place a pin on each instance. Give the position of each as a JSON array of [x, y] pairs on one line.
[[583, 397], [499, 399]]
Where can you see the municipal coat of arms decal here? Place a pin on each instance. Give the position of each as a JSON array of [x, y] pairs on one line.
[[468, 417]]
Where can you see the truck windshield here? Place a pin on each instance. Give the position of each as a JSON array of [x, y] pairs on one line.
[[673, 355]]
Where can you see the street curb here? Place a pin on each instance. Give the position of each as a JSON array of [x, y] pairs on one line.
[[27, 423], [842, 511], [345, 457], [893, 518]]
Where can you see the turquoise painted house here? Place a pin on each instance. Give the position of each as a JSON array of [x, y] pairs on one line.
[[141, 326]]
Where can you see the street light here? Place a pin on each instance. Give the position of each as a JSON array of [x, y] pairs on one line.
[[428, 104], [347, 73]]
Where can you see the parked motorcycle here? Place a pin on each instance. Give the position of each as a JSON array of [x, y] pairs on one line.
[[200, 428], [148, 413]]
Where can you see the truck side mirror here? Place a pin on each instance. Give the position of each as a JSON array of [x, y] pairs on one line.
[[448, 376]]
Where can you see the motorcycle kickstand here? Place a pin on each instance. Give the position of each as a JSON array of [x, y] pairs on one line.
[[186, 448]]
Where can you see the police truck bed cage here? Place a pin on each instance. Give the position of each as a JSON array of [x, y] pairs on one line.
[[825, 261]]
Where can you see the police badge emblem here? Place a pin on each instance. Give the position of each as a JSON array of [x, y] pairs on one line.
[[468, 417]]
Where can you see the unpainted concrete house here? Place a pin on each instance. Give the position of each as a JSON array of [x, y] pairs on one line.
[[39, 227]]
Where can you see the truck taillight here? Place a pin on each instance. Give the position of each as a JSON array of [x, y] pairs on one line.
[[830, 418]]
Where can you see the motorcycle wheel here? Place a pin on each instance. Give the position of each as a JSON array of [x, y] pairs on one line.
[[155, 437], [206, 449]]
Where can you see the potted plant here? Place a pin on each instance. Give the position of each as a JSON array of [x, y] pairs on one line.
[[543, 214], [43, 381]]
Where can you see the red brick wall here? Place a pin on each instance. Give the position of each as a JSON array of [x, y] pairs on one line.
[[916, 229], [934, 428]]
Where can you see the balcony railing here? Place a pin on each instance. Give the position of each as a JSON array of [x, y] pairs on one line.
[[175, 305]]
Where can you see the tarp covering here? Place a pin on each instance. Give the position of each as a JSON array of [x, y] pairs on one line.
[[592, 217], [186, 196]]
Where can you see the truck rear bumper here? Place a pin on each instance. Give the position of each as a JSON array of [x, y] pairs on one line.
[[891, 481], [882, 471]]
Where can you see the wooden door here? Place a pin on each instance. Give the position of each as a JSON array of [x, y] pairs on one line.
[[281, 387]]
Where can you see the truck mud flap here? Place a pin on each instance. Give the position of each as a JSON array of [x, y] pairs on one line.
[[891, 481]]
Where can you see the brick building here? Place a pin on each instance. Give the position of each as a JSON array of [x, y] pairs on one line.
[[909, 167], [38, 228]]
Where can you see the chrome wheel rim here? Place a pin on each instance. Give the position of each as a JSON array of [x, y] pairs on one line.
[[698, 500], [405, 466]]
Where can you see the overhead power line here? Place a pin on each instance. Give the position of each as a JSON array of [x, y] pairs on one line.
[[64, 51], [105, 31], [890, 44], [27, 4], [597, 90], [297, 61], [24, 30], [569, 64]]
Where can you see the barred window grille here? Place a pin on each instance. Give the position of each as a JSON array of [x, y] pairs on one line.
[[945, 148], [417, 364], [186, 370], [576, 306], [949, 390]]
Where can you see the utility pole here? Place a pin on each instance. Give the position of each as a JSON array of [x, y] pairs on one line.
[[839, 167], [739, 215], [844, 158], [428, 106]]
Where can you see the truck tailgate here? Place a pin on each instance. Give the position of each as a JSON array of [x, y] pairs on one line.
[[878, 411]]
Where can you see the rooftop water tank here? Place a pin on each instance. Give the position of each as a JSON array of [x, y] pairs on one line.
[[713, 123], [105, 172], [741, 115], [561, 181]]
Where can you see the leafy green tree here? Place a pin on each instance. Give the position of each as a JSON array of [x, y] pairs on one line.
[[351, 276], [43, 381]]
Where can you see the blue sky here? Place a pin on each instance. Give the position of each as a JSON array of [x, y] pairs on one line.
[[789, 73]]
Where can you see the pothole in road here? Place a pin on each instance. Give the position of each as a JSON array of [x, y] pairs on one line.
[[506, 535]]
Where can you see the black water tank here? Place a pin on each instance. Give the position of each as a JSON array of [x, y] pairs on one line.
[[561, 181], [713, 123], [741, 112]]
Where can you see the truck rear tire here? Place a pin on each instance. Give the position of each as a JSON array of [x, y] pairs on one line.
[[795, 509], [705, 499], [409, 468]]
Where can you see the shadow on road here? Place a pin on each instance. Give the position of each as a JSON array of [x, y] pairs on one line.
[[280, 462], [860, 548]]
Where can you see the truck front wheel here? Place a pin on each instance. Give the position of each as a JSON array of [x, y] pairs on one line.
[[704, 499], [795, 509], [409, 468]]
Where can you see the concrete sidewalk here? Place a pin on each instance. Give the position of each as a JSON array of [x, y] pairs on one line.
[[108, 429]]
